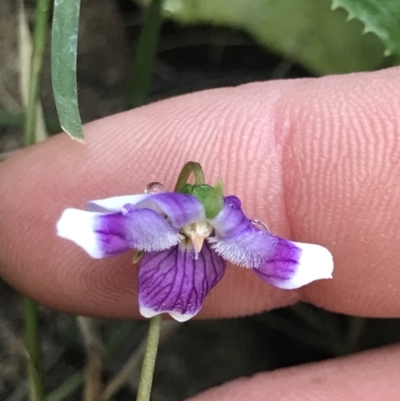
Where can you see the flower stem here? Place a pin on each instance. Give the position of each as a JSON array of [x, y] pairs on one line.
[[39, 46], [33, 346], [35, 369], [149, 360], [190, 168]]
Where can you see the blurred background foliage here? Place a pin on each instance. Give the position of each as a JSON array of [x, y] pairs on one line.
[[308, 31], [198, 44]]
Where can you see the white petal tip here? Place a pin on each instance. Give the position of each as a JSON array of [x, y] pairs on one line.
[[147, 312], [315, 263], [77, 226], [179, 317]]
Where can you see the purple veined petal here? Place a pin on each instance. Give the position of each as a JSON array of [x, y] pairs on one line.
[[114, 204], [174, 282], [280, 262], [181, 209], [293, 265], [108, 234]]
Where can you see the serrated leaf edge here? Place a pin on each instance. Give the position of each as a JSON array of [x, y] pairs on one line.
[[389, 49]]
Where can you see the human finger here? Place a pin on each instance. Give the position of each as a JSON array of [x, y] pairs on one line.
[[306, 156], [371, 375]]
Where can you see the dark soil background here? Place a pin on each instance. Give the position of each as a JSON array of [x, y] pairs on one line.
[[197, 355]]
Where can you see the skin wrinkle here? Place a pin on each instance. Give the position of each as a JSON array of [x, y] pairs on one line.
[[281, 146], [257, 135], [347, 170], [256, 159]]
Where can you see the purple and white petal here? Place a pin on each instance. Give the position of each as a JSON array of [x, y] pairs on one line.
[[292, 265], [108, 234], [237, 239], [231, 220], [114, 204], [174, 282], [280, 262], [181, 209]]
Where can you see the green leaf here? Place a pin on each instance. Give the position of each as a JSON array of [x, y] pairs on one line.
[[381, 17], [307, 31], [64, 49]]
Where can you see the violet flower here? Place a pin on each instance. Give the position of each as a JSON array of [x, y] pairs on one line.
[[186, 243]]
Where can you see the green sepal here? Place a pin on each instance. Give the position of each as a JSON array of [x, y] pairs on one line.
[[212, 198]]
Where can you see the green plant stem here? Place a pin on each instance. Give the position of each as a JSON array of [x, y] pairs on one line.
[[35, 367], [145, 55], [149, 360], [11, 119], [18, 120], [39, 44], [190, 168], [67, 387]]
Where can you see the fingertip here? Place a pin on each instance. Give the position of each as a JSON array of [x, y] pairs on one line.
[[341, 186], [371, 375]]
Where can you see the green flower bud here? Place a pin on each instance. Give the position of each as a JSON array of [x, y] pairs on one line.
[[212, 198]]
